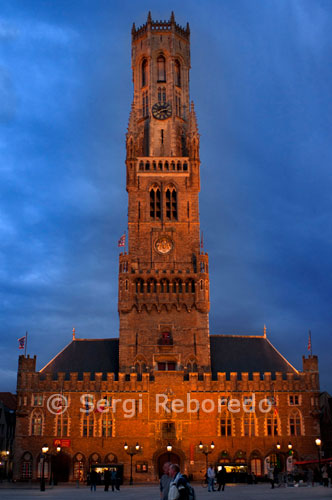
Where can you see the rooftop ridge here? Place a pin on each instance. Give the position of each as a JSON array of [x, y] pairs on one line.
[[242, 335], [283, 357]]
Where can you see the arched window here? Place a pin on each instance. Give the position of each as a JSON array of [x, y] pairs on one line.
[[191, 365], [171, 204], [152, 286], [177, 73], [155, 203], [190, 286], [37, 423], [164, 286], [26, 466], [78, 466], [144, 72], [139, 286], [295, 423], [161, 68]]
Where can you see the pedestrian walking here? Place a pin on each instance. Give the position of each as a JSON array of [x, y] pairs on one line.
[[178, 486], [165, 481], [271, 475], [113, 479]]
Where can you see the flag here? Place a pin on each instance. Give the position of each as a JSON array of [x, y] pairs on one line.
[[309, 343], [21, 342], [122, 241]]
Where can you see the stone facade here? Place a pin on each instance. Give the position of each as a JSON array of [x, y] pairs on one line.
[[163, 351]]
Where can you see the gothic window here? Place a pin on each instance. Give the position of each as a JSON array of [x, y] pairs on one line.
[[164, 286], [161, 94], [190, 286], [155, 203], [26, 466], [295, 423], [106, 425], [88, 426], [192, 366], [139, 286], [177, 73], [79, 461], [145, 104], [225, 425], [272, 426], [249, 425], [36, 424], [152, 286], [171, 204], [140, 367], [294, 400], [161, 68], [62, 426], [144, 72], [37, 400]]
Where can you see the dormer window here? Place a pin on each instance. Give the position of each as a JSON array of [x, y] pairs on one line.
[[161, 68]]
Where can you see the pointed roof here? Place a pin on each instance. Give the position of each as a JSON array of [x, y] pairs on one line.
[[244, 353], [86, 355]]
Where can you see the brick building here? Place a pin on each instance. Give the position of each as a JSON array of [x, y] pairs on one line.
[[166, 381]]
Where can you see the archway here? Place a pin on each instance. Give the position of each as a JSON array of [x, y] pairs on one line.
[[60, 467], [167, 457]]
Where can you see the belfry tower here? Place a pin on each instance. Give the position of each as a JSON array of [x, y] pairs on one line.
[[163, 280]]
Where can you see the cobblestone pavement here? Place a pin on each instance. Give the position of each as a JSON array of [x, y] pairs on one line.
[[146, 492]]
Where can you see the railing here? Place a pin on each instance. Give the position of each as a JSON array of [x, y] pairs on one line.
[[163, 164]]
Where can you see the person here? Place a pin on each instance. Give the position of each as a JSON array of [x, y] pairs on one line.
[[165, 482], [113, 479], [178, 485], [221, 478], [271, 475], [325, 476], [93, 480], [107, 479], [211, 476]]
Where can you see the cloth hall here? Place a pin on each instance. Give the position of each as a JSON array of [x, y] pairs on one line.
[[167, 388]]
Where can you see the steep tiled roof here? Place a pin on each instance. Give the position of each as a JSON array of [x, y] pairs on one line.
[[238, 353], [86, 355], [8, 399]]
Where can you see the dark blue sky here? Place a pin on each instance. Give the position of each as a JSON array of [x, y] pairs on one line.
[[261, 80]]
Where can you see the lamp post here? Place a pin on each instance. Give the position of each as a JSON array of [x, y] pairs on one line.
[[169, 448], [131, 450], [204, 448], [318, 443], [42, 458]]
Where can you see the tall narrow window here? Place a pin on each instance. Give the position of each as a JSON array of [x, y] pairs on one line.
[[161, 94], [37, 424], [177, 74], [171, 204], [161, 67], [225, 425], [178, 105], [106, 426], [145, 104], [295, 424], [144, 72], [155, 203]]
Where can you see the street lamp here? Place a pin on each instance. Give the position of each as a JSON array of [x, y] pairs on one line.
[[278, 445], [204, 448], [131, 450], [169, 448], [42, 458], [290, 446], [318, 443]]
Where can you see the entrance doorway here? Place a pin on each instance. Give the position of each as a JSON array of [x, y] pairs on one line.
[[167, 457], [60, 467]]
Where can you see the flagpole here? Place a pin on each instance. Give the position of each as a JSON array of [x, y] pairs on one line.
[[26, 343]]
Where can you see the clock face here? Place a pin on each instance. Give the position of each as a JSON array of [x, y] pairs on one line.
[[162, 110], [163, 245]]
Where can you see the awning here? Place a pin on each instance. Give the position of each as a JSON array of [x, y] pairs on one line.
[[307, 462]]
